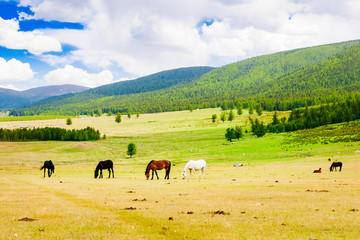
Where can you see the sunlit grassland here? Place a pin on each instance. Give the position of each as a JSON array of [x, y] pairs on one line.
[[274, 195]]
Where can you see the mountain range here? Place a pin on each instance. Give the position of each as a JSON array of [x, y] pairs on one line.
[[15, 99], [279, 81]]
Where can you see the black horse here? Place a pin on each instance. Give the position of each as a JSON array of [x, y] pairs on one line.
[[48, 164], [334, 165], [107, 164]]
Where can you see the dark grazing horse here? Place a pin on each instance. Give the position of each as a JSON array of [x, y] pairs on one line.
[[158, 165], [334, 165], [48, 164], [107, 164]]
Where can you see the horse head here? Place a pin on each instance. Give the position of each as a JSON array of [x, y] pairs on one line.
[[147, 174], [184, 175], [96, 173]]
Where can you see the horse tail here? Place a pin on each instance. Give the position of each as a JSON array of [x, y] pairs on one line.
[[42, 168], [147, 167], [168, 171]]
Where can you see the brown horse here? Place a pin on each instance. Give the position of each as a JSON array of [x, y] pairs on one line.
[[317, 171], [158, 165]]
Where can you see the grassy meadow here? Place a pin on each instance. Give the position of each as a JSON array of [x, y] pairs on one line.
[[274, 195]]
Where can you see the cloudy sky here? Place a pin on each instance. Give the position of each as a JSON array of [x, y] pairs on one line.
[[97, 42]]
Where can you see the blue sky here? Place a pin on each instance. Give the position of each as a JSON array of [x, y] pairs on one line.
[[97, 42]]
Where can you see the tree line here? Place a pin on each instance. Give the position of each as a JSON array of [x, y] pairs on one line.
[[310, 117], [48, 133]]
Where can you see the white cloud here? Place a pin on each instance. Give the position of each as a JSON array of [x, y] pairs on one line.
[[143, 37], [77, 76], [59, 10], [14, 71], [9, 86], [35, 41]]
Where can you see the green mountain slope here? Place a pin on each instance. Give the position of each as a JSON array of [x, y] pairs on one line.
[[278, 81], [149, 83]]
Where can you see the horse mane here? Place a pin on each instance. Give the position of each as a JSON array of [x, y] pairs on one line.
[[147, 167], [186, 165]]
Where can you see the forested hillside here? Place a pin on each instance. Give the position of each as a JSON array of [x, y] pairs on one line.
[[277, 81], [149, 83]]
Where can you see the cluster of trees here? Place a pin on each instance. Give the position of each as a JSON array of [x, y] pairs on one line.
[[280, 81], [233, 133], [310, 117], [49, 133], [317, 116]]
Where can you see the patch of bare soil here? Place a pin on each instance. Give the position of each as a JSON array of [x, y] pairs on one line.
[[219, 212], [317, 190], [130, 208], [26, 219], [139, 200]]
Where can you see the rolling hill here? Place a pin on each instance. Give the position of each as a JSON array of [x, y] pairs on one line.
[[15, 99], [278, 81]]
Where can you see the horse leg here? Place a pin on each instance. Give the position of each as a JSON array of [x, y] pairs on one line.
[[49, 173], [195, 173], [100, 176], [109, 169], [152, 176], [202, 173], [44, 171], [156, 175], [112, 171]]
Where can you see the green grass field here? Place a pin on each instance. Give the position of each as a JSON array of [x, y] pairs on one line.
[[274, 195]]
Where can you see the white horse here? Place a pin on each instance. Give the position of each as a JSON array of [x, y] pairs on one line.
[[194, 166]]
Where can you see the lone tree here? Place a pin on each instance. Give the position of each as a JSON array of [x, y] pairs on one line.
[[238, 132], [230, 134], [231, 116], [214, 117], [223, 116], [239, 110], [118, 118], [68, 121], [131, 149], [259, 109]]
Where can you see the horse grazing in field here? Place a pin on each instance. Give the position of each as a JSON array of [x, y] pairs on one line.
[[48, 164], [194, 166], [107, 164], [317, 171], [334, 165], [158, 165]]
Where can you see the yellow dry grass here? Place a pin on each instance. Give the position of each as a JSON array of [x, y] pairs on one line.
[[266, 201], [274, 195]]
